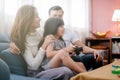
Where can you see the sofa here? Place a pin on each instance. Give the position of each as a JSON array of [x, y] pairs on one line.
[[12, 67]]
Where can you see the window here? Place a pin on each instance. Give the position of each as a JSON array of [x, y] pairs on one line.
[[76, 13]]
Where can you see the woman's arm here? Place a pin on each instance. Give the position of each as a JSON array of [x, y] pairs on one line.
[[34, 61]]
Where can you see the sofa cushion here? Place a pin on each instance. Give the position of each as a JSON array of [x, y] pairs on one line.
[[16, 63], [4, 46], [4, 41], [4, 37], [4, 71]]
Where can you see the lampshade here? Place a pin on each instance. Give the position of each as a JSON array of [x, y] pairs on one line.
[[116, 15]]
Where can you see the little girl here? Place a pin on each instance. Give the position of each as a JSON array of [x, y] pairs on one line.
[[57, 51]]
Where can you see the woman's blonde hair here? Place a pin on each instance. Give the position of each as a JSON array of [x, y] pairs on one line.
[[22, 25]]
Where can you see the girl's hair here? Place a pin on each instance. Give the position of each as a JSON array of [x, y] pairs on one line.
[[51, 27], [22, 25]]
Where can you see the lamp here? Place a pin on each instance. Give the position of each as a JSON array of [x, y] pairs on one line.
[[116, 18]]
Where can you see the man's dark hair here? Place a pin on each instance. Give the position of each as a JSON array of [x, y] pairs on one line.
[[55, 8]]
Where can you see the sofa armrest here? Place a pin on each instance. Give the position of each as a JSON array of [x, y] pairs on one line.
[[16, 63], [4, 71]]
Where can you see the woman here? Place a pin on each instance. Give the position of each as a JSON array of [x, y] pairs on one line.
[[27, 38], [57, 51]]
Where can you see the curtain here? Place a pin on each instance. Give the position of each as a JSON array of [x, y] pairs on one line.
[[8, 11], [76, 13], [80, 18]]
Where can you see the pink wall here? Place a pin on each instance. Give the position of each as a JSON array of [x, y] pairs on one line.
[[102, 11]]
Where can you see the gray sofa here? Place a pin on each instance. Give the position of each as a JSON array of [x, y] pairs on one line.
[[12, 67]]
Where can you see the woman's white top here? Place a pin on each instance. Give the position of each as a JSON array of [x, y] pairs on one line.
[[32, 55]]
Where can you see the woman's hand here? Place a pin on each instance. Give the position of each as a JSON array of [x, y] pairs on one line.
[[48, 39], [14, 49]]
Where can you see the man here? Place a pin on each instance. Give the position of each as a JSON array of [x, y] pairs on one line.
[[90, 60], [93, 60]]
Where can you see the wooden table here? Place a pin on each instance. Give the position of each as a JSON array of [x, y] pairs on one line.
[[103, 73]]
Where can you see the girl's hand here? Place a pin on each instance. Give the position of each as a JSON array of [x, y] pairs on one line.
[[69, 49], [73, 53]]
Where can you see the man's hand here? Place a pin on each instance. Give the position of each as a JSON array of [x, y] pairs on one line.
[[14, 49], [97, 56]]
